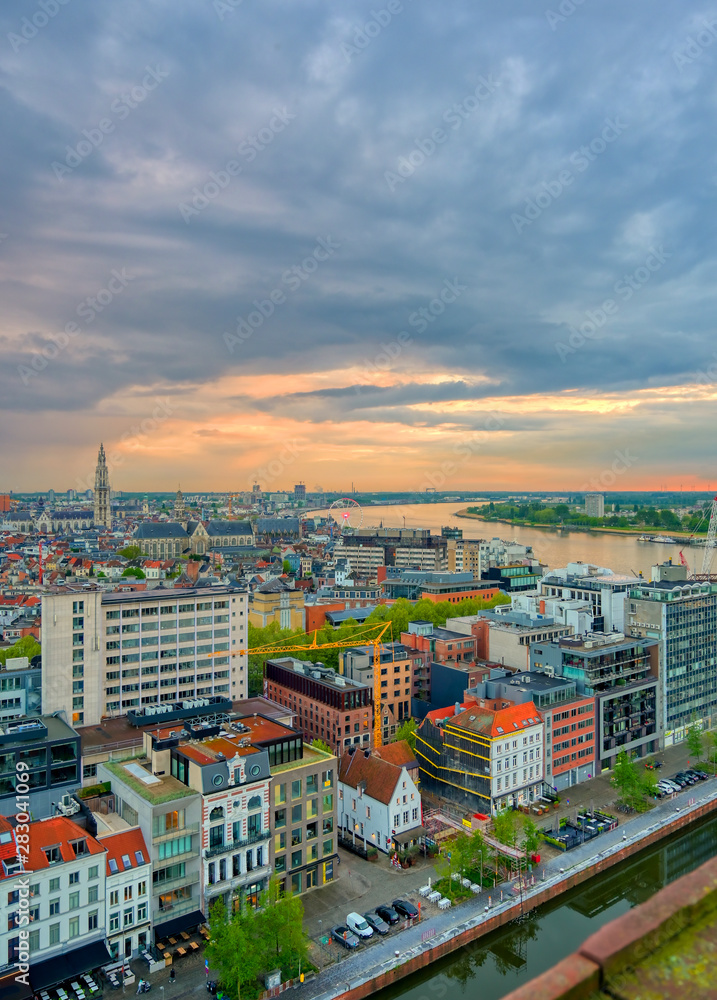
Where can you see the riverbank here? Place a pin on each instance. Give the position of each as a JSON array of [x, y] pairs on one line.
[[441, 934], [584, 529]]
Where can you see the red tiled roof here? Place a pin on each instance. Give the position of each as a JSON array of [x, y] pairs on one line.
[[56, 832], [398, 753], [440, 714], [125, 844], [498, 723], [380, 776]]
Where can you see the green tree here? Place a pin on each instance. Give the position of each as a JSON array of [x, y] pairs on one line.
[[27, 646], [286, 566], [320, 745], [130, 552], [505, 827], [232, 947], [280, 927], [628, 781], [407, 731], [134, 571], [528, 836], [694, 741]]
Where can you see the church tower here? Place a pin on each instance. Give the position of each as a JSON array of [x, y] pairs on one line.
[[179, 509], [103, 514]]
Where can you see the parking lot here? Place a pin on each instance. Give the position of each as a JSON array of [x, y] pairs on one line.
[[360, 886]]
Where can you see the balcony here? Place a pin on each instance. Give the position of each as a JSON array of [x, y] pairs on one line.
[[159, 888], [188, 831], [174, 910], [236, 845]]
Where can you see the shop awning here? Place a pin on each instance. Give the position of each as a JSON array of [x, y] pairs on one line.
[[178, 924], [11, 989], [68, 965]]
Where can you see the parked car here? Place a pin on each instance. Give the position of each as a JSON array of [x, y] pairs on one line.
[[376, 923], [358, 925], [653, 764], [691, 779], [404, 908], [344, 936], [671, 786], [700, 775], [677, 780], [388, 914]]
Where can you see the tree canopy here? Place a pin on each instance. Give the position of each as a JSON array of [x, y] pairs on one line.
[[27, 646]]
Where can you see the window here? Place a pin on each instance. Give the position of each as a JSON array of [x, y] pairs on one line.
[[279, 795], [74, 927], [54, 885], [54, 907], [296, 814], [328, 803], [92, 894], [74, 878], [92, 921], [141, 912], [296, 789], [279, 818], [114, 897], [93, 872], [296, 836], [142, 889], [54, 933], [327, 847], [74, 900], [127, 891], [128, 916], [296, 859], [114, 921], [312, 784], [280, 864]]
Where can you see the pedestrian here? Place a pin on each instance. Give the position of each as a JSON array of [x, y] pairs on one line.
[[172, 975], [140, 984]]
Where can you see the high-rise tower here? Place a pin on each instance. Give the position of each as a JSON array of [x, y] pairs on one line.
[[103, 514]]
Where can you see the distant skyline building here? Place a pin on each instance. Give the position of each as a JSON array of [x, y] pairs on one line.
[[103, 514], [595, 505]]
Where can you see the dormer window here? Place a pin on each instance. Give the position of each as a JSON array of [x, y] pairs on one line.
[[52, 855], [79, 847]]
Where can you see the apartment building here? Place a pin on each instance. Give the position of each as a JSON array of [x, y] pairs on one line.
[[275, 602], [105, 653], [396, 673], [569, 718], [127, 893], [621, 674], [379, 803], [604, 591], [595, 504], [169, 814], [50, 750], [485, 757], [506, 638], [62, 882], [681, 616], [415, 584], [303, 845], [20, 688], [328, 706]]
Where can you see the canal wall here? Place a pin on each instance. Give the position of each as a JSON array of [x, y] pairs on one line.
[[577, 975]]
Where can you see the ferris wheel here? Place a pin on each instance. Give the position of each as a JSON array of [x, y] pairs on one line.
[[347, 513]]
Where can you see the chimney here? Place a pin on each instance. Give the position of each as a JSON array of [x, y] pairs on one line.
[[457, 708]]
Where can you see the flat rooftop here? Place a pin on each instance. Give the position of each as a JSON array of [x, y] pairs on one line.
[[169, 593], [154, 789]]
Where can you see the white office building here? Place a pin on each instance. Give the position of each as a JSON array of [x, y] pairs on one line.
[[105, 653]]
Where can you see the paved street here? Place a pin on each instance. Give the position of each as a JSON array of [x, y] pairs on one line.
[[362, 885]]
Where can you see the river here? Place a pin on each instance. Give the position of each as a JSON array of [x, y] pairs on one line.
[[500, 962], [621, 553]]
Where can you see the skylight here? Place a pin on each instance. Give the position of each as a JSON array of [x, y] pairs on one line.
[[113, 866], [126, 861]]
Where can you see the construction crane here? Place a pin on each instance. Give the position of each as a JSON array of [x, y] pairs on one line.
[[710, 542], [359, 638], [232, 496]]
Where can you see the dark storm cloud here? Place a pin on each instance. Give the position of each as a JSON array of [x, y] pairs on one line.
[[569, 152]]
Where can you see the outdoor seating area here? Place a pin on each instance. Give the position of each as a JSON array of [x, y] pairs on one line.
[[587, 825], [81, 988], [182, 944]]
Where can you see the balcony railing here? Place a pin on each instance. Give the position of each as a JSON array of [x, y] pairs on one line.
[[189, 830], [175, 910], [235, 845], [159, 888]]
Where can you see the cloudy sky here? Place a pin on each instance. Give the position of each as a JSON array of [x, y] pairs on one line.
[[403, 245]]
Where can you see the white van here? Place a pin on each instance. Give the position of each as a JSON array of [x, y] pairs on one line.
[[358, 925]]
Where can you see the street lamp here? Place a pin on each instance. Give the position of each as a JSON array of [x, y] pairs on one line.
[[321, 943]]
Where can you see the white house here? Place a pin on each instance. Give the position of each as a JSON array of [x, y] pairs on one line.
[[52, 900], [379, 803], [129, 888]]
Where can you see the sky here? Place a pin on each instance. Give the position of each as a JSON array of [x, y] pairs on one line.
[[404, 245]]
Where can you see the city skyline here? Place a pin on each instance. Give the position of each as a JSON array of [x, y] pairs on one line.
[[407, 247]]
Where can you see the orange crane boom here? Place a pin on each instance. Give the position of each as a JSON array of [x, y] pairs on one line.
[[359, 638]]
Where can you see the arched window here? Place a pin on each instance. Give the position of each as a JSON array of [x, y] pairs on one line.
[[216, 814], [254, 802]]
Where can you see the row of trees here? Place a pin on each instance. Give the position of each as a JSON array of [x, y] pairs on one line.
[[635, 785], [251, 942], [398, 614], [469, 854], [535, 512]]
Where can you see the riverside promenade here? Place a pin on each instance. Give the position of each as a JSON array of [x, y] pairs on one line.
[[440, 933]]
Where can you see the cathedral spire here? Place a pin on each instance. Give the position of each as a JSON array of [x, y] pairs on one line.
[[103, 514]]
